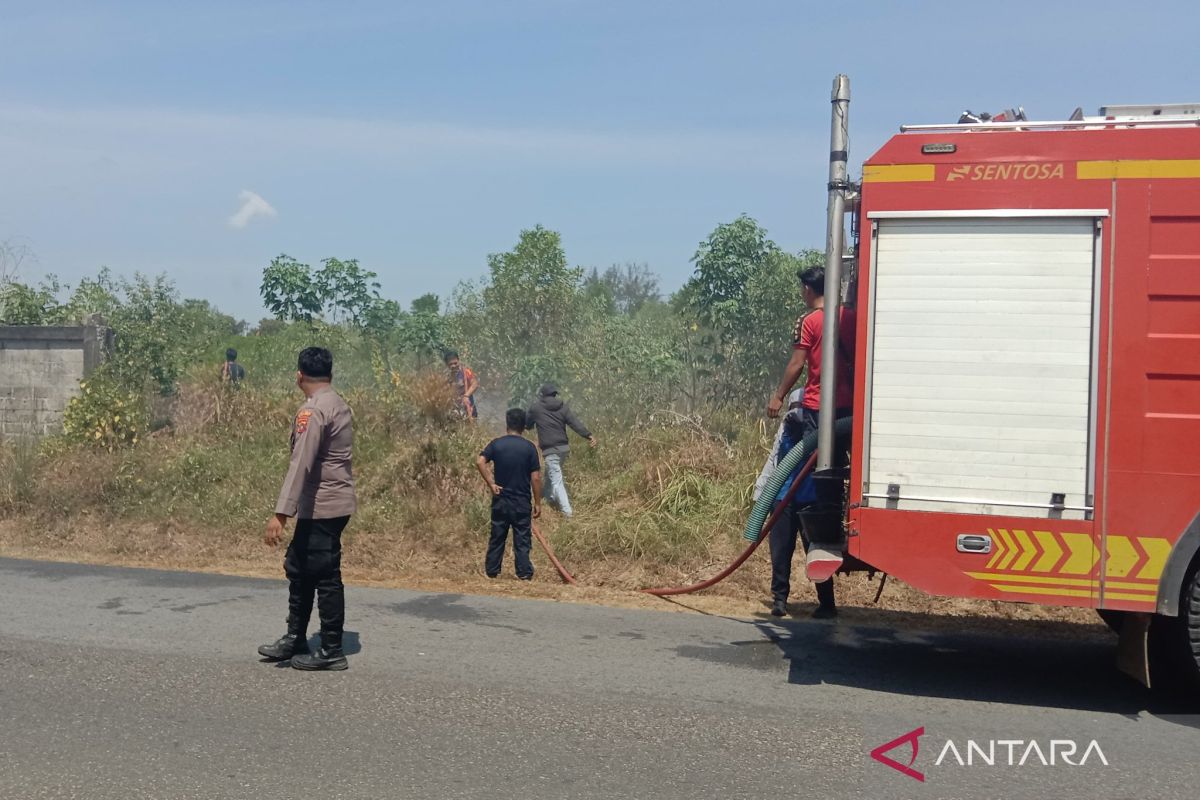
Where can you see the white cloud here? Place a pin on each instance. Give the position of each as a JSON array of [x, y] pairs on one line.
[[252, 206]]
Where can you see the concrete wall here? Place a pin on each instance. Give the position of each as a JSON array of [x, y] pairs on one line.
[[40, 370]]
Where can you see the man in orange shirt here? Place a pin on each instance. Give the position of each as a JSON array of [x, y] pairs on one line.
[[465, 384]]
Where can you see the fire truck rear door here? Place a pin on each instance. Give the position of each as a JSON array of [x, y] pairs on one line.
[[980, 393]]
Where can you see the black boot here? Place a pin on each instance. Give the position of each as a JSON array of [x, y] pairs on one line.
[[288, 645], [326, 658], [779, 608], [330, 656], [826, 605], [294, 642]]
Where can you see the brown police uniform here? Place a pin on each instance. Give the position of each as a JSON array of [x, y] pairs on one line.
[[319, 492]]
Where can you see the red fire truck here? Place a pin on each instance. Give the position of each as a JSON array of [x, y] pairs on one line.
[[1027, 375]]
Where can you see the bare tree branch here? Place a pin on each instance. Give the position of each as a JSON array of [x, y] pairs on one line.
[[12, 255]]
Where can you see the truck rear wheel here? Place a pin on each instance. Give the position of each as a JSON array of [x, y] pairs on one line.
[[1174, 643], [1189, 615]]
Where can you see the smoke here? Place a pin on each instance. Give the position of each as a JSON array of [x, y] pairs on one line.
[[252, 206]]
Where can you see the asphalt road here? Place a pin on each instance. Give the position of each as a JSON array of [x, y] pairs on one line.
[[122, 683]]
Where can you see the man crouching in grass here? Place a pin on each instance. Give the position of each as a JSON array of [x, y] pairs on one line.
[[319, 493], [515, 475]]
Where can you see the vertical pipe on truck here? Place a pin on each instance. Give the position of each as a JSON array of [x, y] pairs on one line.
[[839, 142]]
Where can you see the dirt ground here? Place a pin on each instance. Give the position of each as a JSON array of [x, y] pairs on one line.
[[744, 595]]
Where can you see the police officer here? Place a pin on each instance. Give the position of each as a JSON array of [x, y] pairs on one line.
[[318, 493]]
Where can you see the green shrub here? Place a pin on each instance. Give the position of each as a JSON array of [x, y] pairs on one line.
[[105, 415]]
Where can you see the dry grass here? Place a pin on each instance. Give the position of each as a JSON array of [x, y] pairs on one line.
[[397, 563], [660, 505]]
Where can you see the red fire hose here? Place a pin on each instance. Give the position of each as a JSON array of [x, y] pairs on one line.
[[780, 508], [566, 576]]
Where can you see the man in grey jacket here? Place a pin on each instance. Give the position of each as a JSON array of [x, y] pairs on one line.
[[551, 416]]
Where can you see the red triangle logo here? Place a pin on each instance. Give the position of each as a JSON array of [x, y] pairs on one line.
[[910, 738]]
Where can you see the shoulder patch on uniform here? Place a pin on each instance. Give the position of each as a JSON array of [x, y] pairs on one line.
[[302, 420]]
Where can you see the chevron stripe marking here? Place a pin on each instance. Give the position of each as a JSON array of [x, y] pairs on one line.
[[998, 552], [1084, 554], [1157, 551], [1010, 546], [1122, 557], [1051, 551], [1028, 550]]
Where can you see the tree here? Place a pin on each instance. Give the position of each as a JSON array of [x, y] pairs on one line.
[[93, 297], [269, 326], [154, 341], [423, 331], [633, 286], [24, 304], [346, 290], [427, 304], [774, 302], [343, 290], [622, 367], [599, 292], [156, 335], [740, 304], [622, 289], [289, 291], [533, 293], [381, 318], [520, 327], [725, 262]]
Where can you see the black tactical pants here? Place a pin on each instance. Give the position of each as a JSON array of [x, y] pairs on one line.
[[519, 517], [313, 565]]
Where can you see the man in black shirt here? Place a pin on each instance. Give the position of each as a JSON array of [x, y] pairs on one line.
[[232, 372], [514, 477]]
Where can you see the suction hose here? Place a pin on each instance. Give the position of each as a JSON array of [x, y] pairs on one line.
[[762, 519], [797, 455]]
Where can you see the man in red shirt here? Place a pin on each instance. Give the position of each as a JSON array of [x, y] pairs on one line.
[[806, 351]]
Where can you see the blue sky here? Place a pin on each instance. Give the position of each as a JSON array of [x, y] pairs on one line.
[[420, 137]]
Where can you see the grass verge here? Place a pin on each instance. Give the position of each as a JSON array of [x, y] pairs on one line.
[[660, 504]]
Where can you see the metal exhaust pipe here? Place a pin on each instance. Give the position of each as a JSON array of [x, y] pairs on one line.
[[839, 143]]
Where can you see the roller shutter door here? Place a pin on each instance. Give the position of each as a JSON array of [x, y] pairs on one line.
[[980, 365]]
